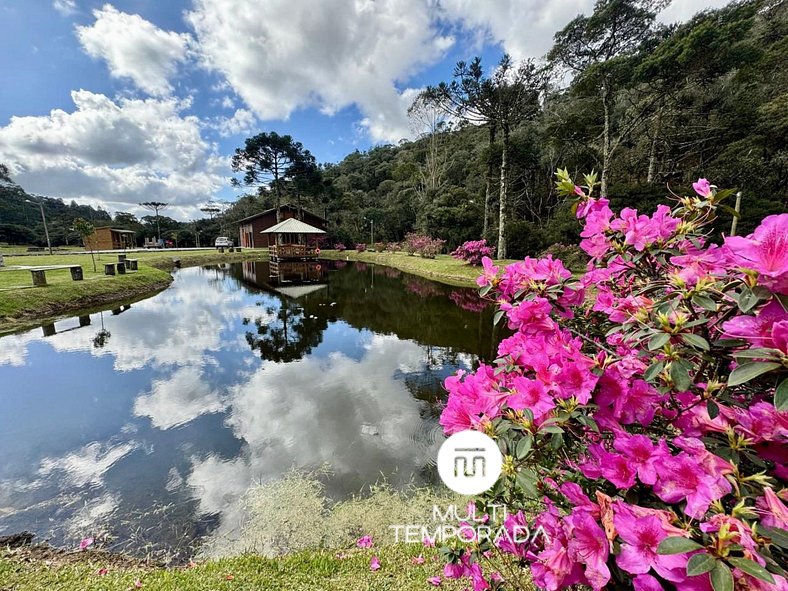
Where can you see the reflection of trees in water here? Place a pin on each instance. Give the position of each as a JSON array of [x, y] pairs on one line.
[[287, 332], [427, 384], [102, 336]]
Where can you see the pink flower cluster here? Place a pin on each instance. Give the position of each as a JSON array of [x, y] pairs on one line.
[[473, 251], [423, 245], [645, 401]]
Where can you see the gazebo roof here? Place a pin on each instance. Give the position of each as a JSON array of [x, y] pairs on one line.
[[292, 226]]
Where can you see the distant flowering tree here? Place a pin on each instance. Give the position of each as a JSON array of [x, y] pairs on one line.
[[473, 251], [340, 246], [423, 245], [361, 247], [644, 404]]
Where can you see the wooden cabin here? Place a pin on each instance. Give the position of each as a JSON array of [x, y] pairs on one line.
[[110, 239], [250, 232], [291, 240]]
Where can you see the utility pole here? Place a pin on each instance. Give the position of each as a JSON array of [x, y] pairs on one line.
[[44, 218]]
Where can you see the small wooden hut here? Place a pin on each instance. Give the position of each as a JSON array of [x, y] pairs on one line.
[[291, 241]]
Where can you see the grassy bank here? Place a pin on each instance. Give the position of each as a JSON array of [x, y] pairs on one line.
[[28, 569], [22, 304], [442, 268]]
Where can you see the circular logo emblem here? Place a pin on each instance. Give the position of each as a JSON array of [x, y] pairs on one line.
[[469, 462]]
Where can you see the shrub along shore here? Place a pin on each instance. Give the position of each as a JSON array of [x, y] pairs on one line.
[[22, 305], [443, 268]]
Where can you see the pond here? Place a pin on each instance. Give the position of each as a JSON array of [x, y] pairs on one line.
[[150, 421]]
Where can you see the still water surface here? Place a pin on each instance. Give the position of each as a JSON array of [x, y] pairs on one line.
[[149, 422]]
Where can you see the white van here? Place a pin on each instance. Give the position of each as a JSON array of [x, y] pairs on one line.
[[223, 241]]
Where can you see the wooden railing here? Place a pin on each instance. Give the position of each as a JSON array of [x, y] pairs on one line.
[[292, 251]]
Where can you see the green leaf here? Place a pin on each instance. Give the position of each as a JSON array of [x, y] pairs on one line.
[[747, 371], [747, 300], [721, 577], [526, 480], [551, 429], [705, 302], [658, 341], [524, 446], [498, 315], [752, 568], [653, 370], [485, 290], [713, 409], [677, 545], [694, 340], [756, 353], [781, 396], [778, 536], [699, 564], [680, 376]]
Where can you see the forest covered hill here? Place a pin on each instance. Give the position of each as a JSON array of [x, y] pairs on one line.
[[652, 112]]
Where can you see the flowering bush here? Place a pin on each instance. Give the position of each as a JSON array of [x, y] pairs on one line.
[[473, 251], [361, 247], [394, 246], [340, 246], [423, 245], [380, 246], [651, 417]]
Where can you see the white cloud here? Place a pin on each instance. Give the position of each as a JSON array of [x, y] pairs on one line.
[[178, 399], [88, 464], [284, 55], [526, 28], [135, 48], [243, 121], [115, 152], [65, 7]]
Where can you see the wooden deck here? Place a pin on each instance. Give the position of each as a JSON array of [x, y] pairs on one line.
[[297, 252]]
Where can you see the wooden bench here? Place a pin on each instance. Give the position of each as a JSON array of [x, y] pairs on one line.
[[40, 278]]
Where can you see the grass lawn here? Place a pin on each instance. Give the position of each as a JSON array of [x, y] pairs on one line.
[[442, 268], [20, 302], [303, 571]]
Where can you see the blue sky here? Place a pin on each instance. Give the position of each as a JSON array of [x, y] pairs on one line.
[[116, 103]]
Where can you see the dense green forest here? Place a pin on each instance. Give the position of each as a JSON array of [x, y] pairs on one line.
[[649, 107]]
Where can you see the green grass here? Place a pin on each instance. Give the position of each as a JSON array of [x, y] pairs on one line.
[[302, 571], [21, 303], [442, 268]]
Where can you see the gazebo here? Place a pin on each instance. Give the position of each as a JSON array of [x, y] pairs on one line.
[[291, 241]]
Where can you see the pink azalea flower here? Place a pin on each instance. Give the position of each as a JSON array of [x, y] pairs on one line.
[[646, 583], [765, 251], [738, 533], [530, 394], [530, 316], [774, 512], [455, 570], [101, 572], [365, 542], [588, 545], [642, 454], [702, 187], [579, 191], [428, 542], [473, 401], [138, 584], [576, 379], [417, 559], [434, 581], [685, 478], [374, 563], [489, 273], [86, 543], [768, 329], [641, 535]]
